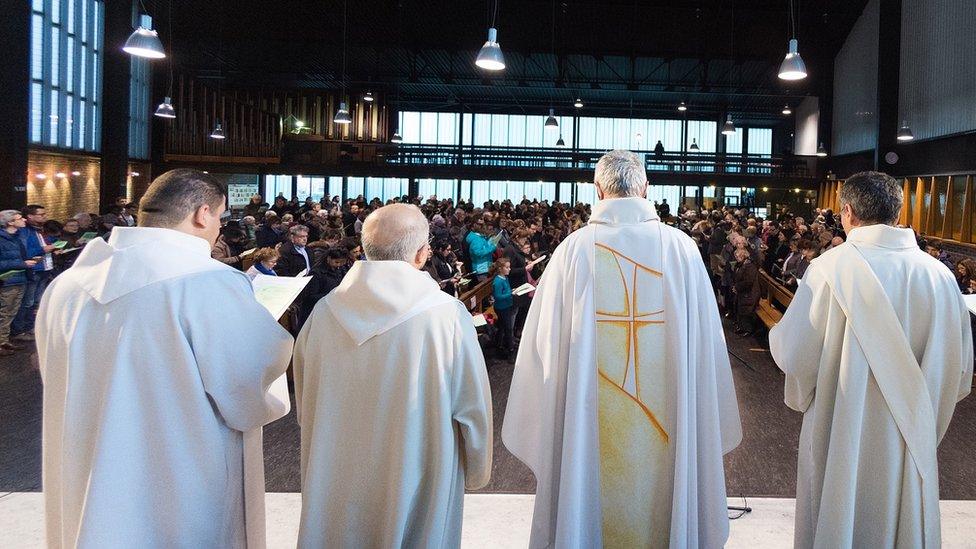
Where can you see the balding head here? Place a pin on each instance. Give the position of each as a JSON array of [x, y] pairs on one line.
[[397, 232]]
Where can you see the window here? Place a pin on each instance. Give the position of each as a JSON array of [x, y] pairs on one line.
[[636, 134], [671, 193], [586, 193], [517, 130], [429, 128], [443, 189], [276, 185], [65, 81], [384, 188]]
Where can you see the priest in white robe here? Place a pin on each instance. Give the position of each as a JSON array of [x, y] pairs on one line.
[[157, 363], [877, 349], [622, 402], [393, 400]]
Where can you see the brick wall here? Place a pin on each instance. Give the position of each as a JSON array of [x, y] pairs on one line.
[[136, 185], [65, 196]]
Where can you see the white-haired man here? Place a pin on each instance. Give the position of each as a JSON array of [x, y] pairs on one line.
[[877, 349], [157, 364], [622, 401], [393, 400]]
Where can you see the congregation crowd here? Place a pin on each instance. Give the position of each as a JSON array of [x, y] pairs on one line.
[[321, 239]]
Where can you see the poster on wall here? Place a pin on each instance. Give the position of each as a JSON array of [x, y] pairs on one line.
[[240, 189]]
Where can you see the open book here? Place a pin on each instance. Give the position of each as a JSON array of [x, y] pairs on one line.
[[276, 293], [523, 289]]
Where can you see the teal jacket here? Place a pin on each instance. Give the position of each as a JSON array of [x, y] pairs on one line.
[[480, 249], [502, 291]]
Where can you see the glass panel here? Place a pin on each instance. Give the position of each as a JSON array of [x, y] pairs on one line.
[[548, 192], [482, 130], [466, 128], [56, 11], [516, 131], [447, 188], [304, 187], [53, 117], [428, 128], [335, 187], [958, 202], [354, 187], [37, 47], [37, 93], [68, 109], [586, 193], [465, 191], [499, 130], [761, 141], [587, 133], [426, 188], [55, 55], [535, 132], [374, 185], [479, 192], [939, 203], [410, 127], [447, 129], [566, 192]]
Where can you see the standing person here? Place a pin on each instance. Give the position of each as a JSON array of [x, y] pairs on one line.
[[295, 257], [622, 401], [877, 349], [152, 421], [504, 306], [390, 440], [32, 235], [480, 250], [746, 286], [13, 257]]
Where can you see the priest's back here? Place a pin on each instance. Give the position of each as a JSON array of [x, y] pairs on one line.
[[622, 401]]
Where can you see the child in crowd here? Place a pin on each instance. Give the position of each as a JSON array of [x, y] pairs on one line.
[[504, 306]]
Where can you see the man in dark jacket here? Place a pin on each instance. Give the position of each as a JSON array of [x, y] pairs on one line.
[[18, 269], [326, 276], [746, 287], [22, 327], [268, 234], [294, 257]]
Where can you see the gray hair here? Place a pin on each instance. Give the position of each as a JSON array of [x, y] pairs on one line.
[[7, 217], [620, 174], [395, 233], [875, 197], [177, 194], [298, 229]]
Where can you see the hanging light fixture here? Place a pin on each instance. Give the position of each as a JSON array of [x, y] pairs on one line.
[[787, 110], [560, 142], [578, 103], [396, 139], [792, 67], [165, 109], [218, 132], [694, 145], [728, 128], [551, 121], [490, 57], [821, 150], [144, 42], [76, 173], [904, 132], [368, 97], [682, 107], [342, 114]]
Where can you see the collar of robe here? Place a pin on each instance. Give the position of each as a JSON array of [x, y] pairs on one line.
[[883, 236], [135, 257], [623, 211], [376, 296]]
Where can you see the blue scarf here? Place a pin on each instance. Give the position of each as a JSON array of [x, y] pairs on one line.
[[264, 270]]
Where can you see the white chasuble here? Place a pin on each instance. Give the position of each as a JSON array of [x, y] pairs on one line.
[[622, 401], [877, 350]]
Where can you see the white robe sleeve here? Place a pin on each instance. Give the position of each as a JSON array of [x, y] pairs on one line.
[[796, 342], [240, 350], [471, 397]]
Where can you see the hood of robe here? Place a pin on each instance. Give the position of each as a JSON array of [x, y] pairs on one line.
[[884, 236], [623, 211], [135, 257], [376, 296]]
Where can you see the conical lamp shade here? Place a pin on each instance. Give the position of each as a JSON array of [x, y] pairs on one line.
[[682, 107], [342, 115], [793, 67], [396, 139], [551, 122], [560, 142], [144, 42], [218, 132], [787, 110], [694, 146], [578, 103], [490, 57], [821, 150], [165, 109], [904, 132], [728, 128]]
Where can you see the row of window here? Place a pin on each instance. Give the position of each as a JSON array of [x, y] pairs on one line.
[[518, 130], [65, 70], [477, 191]]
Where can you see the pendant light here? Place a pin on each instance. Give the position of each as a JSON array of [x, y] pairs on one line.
[[218, 132], [728, 128], [821, 150], [694, 145], [905, 132], [342, 114], [560, 142], [578, 103], [792, 67], [368, 97], [144, 42], [396, 139], [165, 109], [682, 107], [787, 110], [490, 57], [551, 121]]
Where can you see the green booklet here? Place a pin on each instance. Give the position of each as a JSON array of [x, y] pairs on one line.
[[88, 236], [60, 244]]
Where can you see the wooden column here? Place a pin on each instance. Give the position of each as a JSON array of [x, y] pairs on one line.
[[917, 218], [967, 212], [947, 216]]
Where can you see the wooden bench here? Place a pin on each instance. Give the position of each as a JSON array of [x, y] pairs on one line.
[[774, 298], [476, 298]]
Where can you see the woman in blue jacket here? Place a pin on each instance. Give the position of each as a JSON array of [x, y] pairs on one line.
[[480, 250]]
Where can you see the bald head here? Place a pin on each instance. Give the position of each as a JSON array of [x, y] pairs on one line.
[[397, 232]]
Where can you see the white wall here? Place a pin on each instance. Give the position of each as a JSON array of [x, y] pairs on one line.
[[805, 137], [854, 126]]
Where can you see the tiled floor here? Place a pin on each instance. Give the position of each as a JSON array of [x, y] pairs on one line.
[[497, 521]]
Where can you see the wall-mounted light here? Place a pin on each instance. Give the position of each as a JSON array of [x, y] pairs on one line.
[[76, 174], [41, 176], [61, 175]]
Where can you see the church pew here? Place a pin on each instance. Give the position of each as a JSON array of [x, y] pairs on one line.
[[774, 298]]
